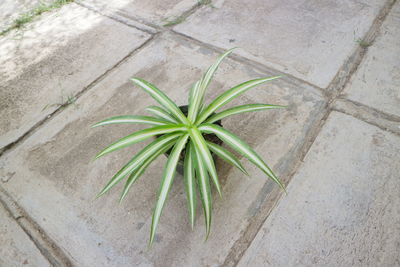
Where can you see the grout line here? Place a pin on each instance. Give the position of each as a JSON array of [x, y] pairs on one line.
[[351, 65], [130, 22], [137, 22], [185, 15], [382, 120], [339, 82], [332, 93], [47, 247], [257, 65], [42, 122], [270, 200], [241, 59]]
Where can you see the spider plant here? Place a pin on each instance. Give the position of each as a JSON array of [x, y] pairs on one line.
[[172, 129]]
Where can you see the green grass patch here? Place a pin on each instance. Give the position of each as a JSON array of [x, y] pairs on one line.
[[27, 17]]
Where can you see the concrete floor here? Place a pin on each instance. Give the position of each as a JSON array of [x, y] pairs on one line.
[[337, 146]]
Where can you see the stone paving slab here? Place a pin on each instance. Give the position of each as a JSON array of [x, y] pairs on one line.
[[55, 180], [308, 39], [343, 205], [55, 58], [12, 9], [150, 12], [377, 80], [16, 248]]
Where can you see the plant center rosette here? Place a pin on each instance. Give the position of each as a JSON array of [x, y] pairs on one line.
[[191, 136]]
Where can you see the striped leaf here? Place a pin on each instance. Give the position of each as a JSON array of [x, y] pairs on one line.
[[161, 98], [131, 119], [240, 146], [166, 182], [194, 101], [229, 95], [161, 113], [139, 158], [137, 173], [140, 136], [205, 190], [201, 146], [227, 156], [190, 182], [240, 109], [200, 87], [211, 70]]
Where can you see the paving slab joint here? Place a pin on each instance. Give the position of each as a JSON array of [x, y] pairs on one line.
[[331, 93], [137, 23], [286, 170], [47, 247], [182, 17], [351, 65], [259, 66], [386, 122], [41, 123]]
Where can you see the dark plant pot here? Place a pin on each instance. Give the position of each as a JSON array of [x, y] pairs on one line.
[[209, 137]]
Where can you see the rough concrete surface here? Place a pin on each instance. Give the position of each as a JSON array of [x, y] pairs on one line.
[[10, 10], [337, 151], [16, 248], [151, 12], [377, 80], [57, 160], [55, 58], [343, 205], [308, 39]]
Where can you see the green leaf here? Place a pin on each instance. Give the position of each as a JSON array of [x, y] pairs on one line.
[[168, 178], [212, 69], [227, 156], [161, 113], [205, 190], [139, 158], [190, 182], [201, 146], [139, 171], [161, 98], [199, 89], [240, 109], [194, 101], [131, 119], [229, 95], [140, 136], [237, 144]]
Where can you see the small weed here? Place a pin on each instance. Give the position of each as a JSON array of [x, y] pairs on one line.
[[23, 19], [63, 103], [176, 21], [363, 43], [29, 16], [205, 3]]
